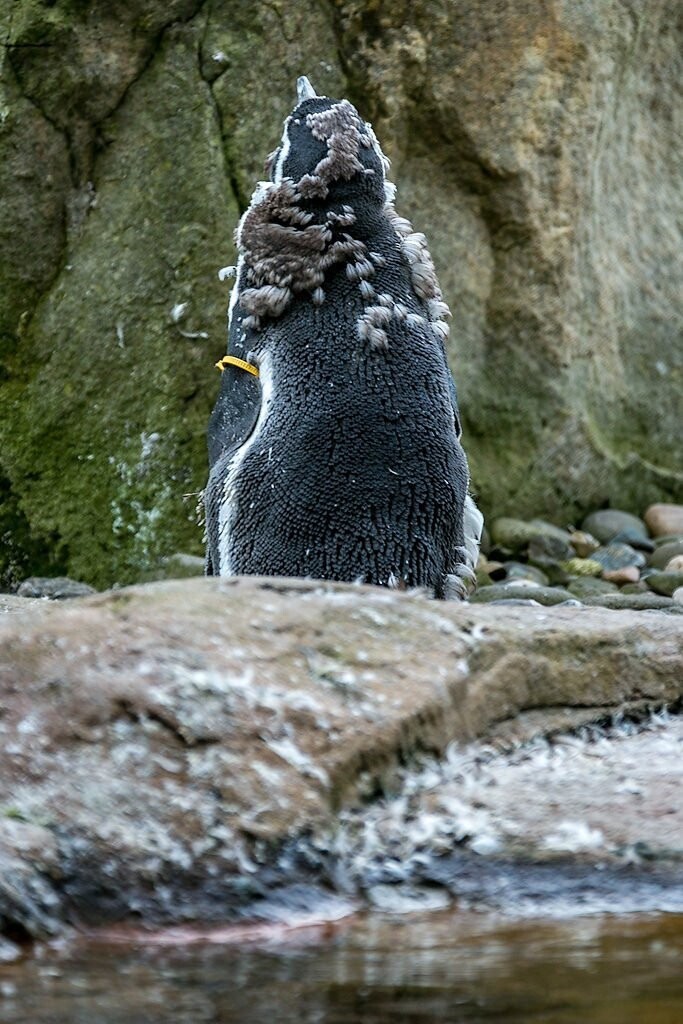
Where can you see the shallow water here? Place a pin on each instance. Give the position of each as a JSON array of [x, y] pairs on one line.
[[439, 967]]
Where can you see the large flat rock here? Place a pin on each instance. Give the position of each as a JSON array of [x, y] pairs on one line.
[[162, 745]]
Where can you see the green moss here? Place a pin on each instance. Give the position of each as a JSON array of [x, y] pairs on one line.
[[22, 553], [105, 432], [34, 183], [13, 813]]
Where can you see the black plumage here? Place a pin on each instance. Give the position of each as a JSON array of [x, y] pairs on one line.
[[342, 459]]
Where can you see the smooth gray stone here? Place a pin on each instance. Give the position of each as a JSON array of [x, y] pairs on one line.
[[606, 523], [618, 556], [518, 591], [665, 582]]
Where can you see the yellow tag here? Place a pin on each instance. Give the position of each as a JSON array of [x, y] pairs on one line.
[[234, 361]]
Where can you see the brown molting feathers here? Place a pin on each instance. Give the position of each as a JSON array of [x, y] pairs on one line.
[[268, 300], [423, 278], [361, 270], [372, 324], [342, 130], [422, 270], [371, 327], [284, 253], [345, 219]]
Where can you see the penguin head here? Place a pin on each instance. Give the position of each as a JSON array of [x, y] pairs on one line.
[[326, 192], [325, 141]]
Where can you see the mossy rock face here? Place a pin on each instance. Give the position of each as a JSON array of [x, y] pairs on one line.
[[108, 415], [34, 184], [140, 156], [131, 136]]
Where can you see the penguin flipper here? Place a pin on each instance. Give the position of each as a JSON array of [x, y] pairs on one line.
[[235, 413], [232, 421]]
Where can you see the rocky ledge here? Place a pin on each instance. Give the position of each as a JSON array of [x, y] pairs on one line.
[[174, 751]]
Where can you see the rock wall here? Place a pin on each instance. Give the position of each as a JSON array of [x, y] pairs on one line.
[[541, 138], [533, 143]]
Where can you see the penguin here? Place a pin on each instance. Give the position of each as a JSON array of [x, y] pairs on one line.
[[334, 444]]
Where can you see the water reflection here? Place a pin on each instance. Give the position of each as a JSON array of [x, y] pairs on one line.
[[439, 967]]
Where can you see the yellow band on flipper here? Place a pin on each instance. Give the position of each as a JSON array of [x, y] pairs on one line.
[[234, 361]]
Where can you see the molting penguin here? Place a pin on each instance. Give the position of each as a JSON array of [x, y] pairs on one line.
[[334, 444]]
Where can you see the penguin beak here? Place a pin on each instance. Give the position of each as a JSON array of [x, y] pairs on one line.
[[304, 90]]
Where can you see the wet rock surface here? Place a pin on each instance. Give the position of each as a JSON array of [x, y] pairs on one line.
[[177, 750], [533, 809]]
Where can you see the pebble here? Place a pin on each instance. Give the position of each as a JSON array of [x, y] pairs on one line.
[[636, 602], [57, 588], [635, 539], [547, 553], [545, 529], [557, 577], [665, 552], [588, 586], [668, 538], [640, 587], [677, 596], [513, 571], [675, 565], [665, 582], [526, 591], [583, 543], [510, 534], [177, 566], [627, 574], [487, 571], [617, 556], [608, 522], [582, 567], [516, 534], [664, 519]]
